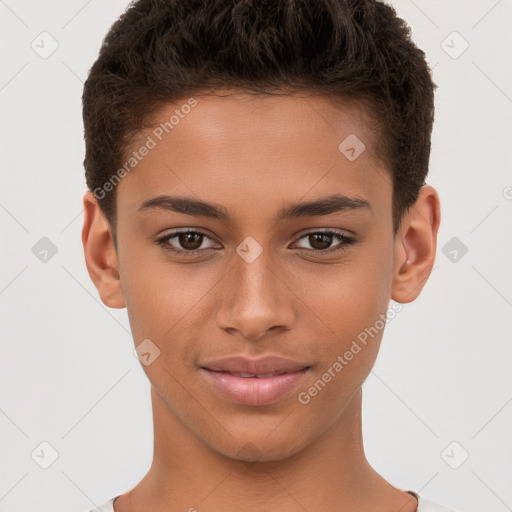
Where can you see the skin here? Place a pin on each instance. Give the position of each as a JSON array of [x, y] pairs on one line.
[[253, 155]]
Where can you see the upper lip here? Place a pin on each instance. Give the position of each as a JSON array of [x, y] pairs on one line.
[[262, 366]]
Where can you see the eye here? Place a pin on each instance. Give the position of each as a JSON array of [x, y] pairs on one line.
[[190, 242], [184, 242], [320, 241]]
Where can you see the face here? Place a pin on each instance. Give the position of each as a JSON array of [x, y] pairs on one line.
[[262, 270]]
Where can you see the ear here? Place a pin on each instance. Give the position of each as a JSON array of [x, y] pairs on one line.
[[100, 253], [415, 246]]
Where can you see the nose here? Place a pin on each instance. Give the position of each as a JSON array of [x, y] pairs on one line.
[[255, 300]]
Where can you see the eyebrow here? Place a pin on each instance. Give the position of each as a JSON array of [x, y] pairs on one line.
[[323, 206]]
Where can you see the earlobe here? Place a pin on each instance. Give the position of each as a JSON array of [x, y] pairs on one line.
[[415, 246], [100, 254]]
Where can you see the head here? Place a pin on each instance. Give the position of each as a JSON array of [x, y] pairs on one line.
[[291, 140]]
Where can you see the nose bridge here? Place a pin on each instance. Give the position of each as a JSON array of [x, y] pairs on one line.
[[254, 278], [254, 299]]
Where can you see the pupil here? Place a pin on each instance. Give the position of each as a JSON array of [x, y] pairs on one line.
[[185, 238], [319, 237]]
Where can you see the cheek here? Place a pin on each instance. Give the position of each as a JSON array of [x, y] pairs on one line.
[[350, 297], [165, 302], [351, 301], [356, 320]]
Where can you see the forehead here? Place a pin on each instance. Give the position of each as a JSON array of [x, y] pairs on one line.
[[235, 147]]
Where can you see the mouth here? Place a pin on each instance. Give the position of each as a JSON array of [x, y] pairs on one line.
[[252, 375], [245, 367], [254, 388]]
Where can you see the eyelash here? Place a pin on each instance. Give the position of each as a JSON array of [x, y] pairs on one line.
[[346, 242]]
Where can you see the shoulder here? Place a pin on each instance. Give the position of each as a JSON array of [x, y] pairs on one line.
[[425, 505], [108, 506]]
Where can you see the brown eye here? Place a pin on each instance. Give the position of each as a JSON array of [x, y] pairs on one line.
[[190, 241], [187, 243], [320, 240]]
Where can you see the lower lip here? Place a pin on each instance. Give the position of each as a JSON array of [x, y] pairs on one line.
[[253, 390]]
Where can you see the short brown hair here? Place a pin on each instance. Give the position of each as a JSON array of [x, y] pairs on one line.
[[160, 51]]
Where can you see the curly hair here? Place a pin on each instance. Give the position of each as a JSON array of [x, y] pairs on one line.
[[161, 51]]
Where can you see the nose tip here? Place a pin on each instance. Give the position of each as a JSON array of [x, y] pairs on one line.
[[253, 328]]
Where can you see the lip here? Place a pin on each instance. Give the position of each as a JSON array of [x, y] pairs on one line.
[[261, 366], [261, 389], [254, 390]]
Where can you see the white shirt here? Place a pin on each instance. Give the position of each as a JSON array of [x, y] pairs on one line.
[[424, 505]]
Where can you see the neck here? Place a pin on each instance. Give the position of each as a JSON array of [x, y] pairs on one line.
[[331, 473]]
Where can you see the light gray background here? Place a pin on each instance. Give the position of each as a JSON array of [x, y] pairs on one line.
[[68, 374]]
